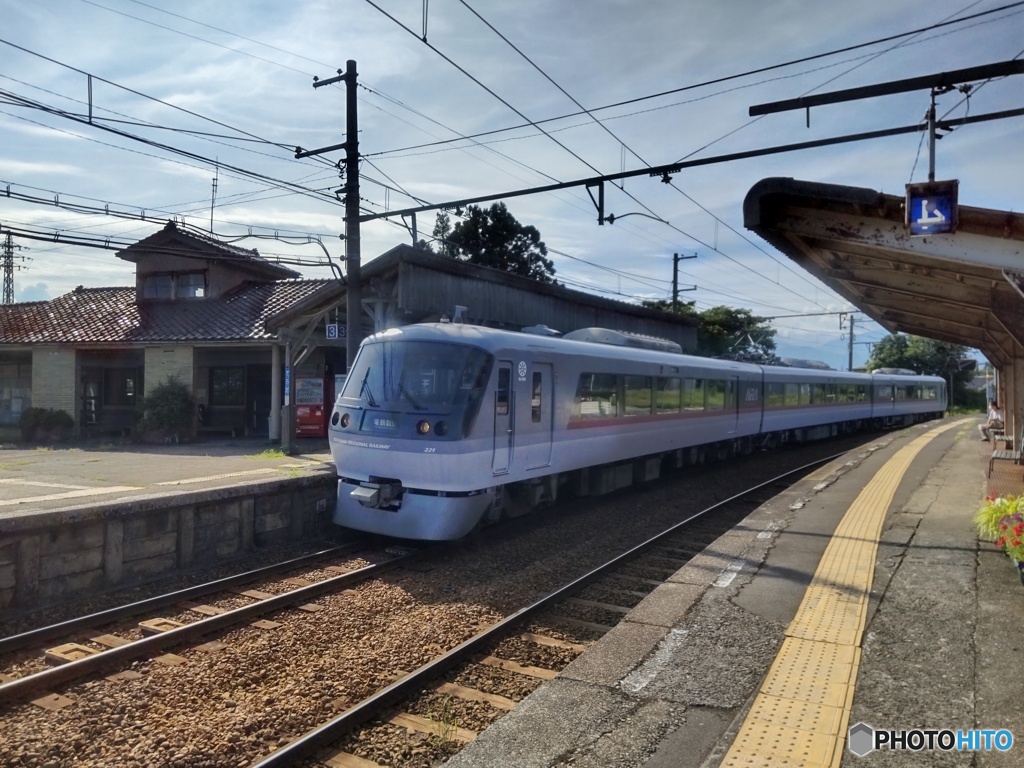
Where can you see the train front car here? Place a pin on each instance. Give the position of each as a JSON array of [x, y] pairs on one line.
[[405, 436]]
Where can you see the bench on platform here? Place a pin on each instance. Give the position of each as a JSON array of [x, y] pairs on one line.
[[1009, 454]]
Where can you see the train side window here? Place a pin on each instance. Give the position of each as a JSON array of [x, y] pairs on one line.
[[667, 396], [715, 395], [596, 395], [693, 394], [792, 393], [805, 394], [502, 396], [775, 397], [535, 396], [637, 396]]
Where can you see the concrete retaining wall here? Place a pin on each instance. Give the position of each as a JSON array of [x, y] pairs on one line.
[[53, 557]]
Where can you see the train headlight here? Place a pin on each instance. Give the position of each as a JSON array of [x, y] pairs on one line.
[[335, 417], [345, 419], [441, 429], [423, 427]]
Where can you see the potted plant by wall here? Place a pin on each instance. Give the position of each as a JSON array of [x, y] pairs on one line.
[[1001, 520], [167, 412]]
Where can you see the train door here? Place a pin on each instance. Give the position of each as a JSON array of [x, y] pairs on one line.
[[536, 422], [503, 420]]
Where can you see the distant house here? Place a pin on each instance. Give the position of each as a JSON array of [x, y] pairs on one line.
[[198, 312], [229, 324]]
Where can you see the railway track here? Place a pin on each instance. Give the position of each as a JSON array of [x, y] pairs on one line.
[[114, 637], [396, 664], [414, 717]]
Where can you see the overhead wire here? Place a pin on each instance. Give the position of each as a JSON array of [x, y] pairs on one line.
[[623, 144], [378, 169], [718, 80], [397, 102]]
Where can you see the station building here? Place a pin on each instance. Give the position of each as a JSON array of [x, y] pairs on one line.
[[229, 324]]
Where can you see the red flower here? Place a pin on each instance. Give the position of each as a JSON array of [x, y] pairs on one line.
[[1015, 543], [1018, 528], [1000, 541], [1003, 527]]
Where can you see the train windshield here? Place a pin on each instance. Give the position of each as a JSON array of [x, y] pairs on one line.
[[417, 376]]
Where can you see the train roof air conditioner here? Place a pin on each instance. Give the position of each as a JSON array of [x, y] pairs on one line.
[[623, 339]]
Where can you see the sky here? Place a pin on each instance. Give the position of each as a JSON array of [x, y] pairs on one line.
[[562, 89]]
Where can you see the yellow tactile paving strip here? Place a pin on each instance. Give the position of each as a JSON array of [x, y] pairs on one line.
[[800, 715]]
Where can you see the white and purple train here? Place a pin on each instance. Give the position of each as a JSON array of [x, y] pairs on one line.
[[441, 427]]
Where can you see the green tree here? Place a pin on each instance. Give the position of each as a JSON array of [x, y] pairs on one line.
[[724, 330], [494, 238], [924, 356]]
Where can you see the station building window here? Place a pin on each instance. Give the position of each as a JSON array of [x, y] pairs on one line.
[[227, 385], [120, 386], [170, 285]]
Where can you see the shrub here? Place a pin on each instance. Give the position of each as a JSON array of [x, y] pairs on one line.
[[168, 408], [45, 424]]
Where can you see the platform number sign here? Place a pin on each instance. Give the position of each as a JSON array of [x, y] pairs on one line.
[[335, 331], [932, 207]]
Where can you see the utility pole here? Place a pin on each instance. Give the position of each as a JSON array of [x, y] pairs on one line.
[[849, 344], [354, 300], [849, 359], [676, 258]]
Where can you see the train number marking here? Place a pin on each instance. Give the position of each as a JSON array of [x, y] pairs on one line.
[[430, 450]]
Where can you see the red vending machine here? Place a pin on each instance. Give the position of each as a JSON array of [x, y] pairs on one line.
[[310, 413]]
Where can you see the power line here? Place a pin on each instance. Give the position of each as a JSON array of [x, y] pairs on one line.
[[24, 101], [718, 80]]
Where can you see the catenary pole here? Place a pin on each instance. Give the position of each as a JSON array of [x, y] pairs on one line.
[[354, 294]]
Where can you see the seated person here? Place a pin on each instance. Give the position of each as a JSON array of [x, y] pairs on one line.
[[994, 421]]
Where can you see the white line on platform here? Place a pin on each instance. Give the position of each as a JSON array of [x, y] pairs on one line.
[[264, 471], [70, 495]]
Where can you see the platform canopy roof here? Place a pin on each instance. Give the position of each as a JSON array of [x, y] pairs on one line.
[[965, 288]]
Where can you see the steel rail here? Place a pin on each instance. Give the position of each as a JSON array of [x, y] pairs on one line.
[[319, 737], [41, 634], [22, 686]]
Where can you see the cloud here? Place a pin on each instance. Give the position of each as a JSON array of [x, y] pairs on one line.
[[34, 292], [25, 168]]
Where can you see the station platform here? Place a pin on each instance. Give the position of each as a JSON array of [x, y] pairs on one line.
[[36, 481], [857, 607]]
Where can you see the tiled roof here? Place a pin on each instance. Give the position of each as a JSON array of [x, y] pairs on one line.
[[181, 240], [111, 315]]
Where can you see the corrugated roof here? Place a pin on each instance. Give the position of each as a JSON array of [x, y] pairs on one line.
[[112, 315]]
